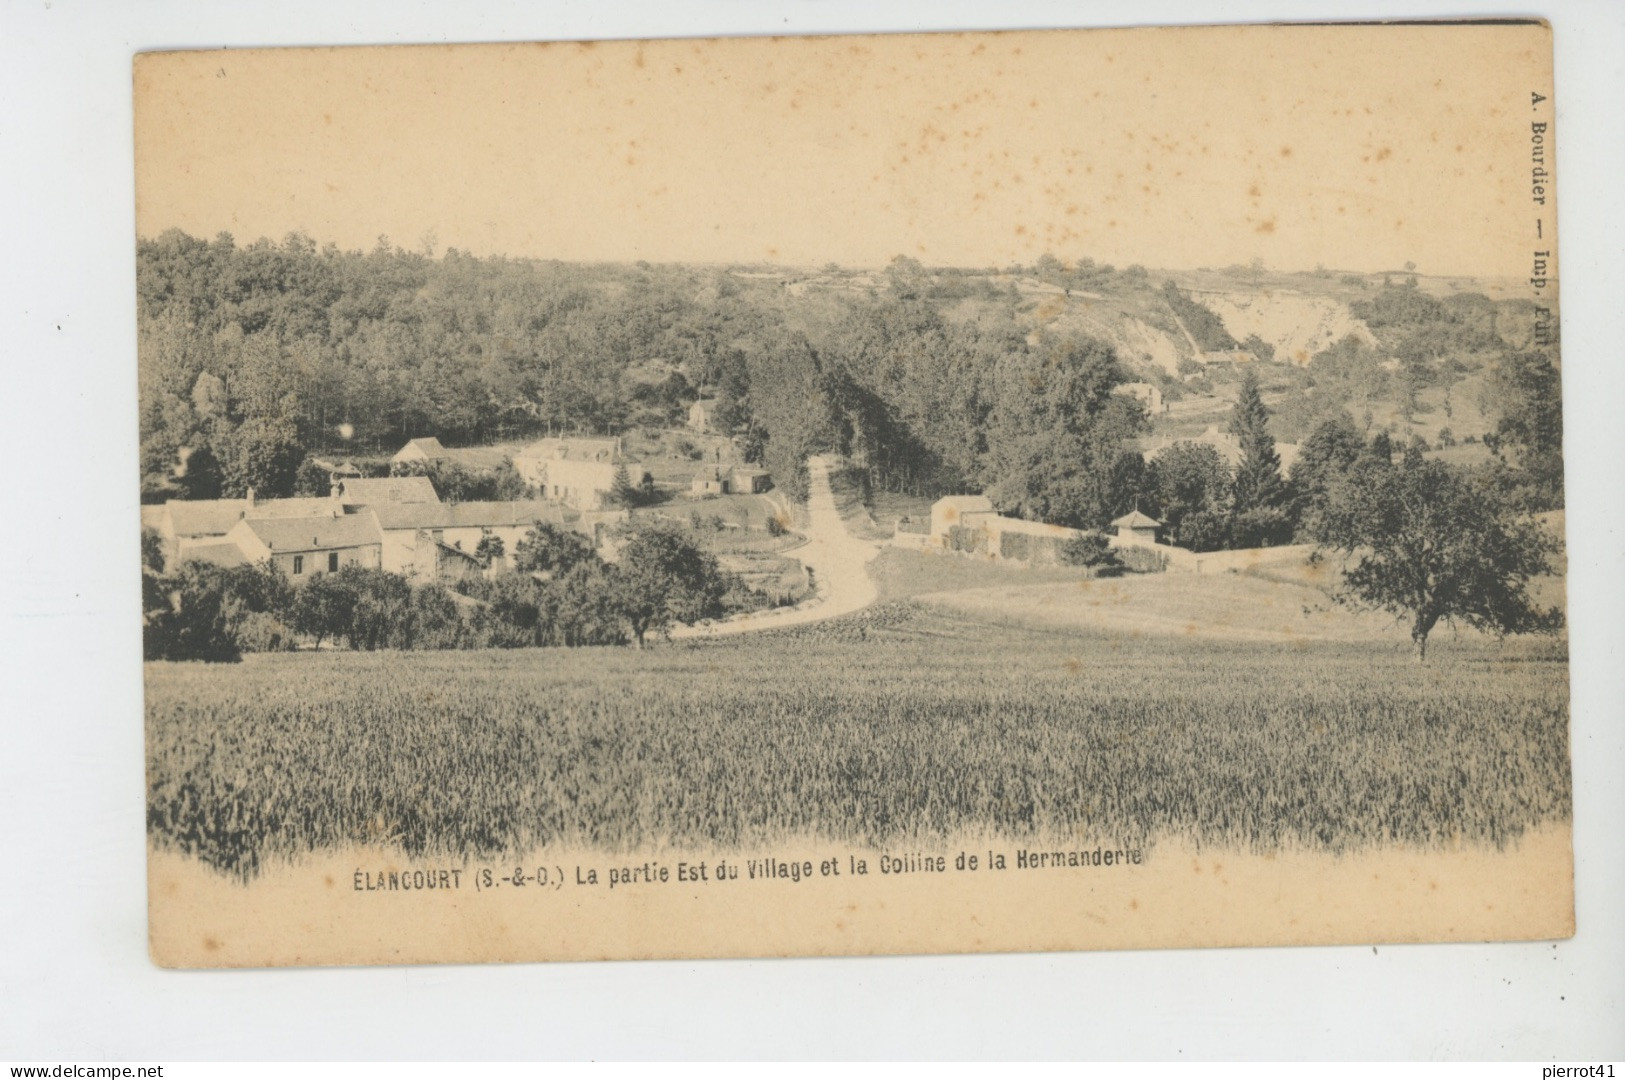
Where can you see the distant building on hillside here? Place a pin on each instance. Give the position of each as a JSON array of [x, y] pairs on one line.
[[702, 415], [1225, 444], [749, 480], [576, 472], [424, 450], [711, 480], [1225, 356], [429, 451]]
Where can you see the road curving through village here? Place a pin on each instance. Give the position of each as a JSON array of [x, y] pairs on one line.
[[838, 561]]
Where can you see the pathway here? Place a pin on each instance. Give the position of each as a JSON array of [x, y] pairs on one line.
[[838, 561]]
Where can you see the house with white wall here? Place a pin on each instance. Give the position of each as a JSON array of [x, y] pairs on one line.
[[576, 472]]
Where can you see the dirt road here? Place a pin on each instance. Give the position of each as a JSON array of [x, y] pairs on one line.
[[838, 561]]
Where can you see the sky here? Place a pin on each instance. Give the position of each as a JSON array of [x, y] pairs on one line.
[[1359, 148]]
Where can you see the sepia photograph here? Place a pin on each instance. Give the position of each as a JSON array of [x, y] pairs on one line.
[[914, 493]]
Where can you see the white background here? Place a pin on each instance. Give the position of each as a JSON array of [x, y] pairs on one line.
[[75, 982]]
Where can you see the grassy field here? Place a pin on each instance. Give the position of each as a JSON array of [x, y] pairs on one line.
[[897, 723]]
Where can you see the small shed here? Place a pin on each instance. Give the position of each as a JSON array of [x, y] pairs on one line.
[[747, 480], [1138, 527], [950, 510], [710, 480]]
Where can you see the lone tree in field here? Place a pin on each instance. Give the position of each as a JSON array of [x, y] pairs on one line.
[[1432, 545]]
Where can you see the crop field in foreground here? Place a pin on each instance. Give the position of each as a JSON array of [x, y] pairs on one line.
[[898, 723]]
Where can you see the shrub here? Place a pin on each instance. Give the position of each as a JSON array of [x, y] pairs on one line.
[[1087, 549], [967, 540], [1014, 545], [1142, 560]]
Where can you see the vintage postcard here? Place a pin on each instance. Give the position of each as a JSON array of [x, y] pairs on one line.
[[848, 495]]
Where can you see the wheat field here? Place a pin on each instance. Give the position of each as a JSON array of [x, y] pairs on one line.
[[897, 723]]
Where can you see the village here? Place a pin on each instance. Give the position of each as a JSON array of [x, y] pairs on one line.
[[803, 554]]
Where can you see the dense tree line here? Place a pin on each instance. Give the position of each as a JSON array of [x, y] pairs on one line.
[[254, 357]]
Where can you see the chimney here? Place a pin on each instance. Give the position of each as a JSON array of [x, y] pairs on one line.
[[336, 491]]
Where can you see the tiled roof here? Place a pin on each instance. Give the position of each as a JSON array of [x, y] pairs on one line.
[[468, 515], [519, 512], [429, 447], [316, 534], [398, 489], [220, 553], [286, 508], [204, 517], [573, 450], [1136, 520]]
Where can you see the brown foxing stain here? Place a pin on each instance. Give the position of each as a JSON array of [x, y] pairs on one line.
[[1266, 227], [1286, 151], [1074, 667], [327, 879], [1133, 905], [1384, 154], [1254, 191], [210, 944]]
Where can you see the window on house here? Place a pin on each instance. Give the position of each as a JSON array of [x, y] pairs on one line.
[[332, 562], [298, 564]]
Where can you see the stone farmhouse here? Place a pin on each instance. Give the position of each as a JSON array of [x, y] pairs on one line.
[[302, 546], [398, 524], [576, 472], [438, 541]]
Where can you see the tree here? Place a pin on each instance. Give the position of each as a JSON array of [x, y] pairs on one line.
[[489, 549], [263, 454], [621, 491], [551, 550], [186, 616], [1430, 545], [1326, 456], [1190, 487], [152, 550], [199, 475], [324, 607], [1531, 423], [662, 578], [1260, 494], [1057, 433]]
